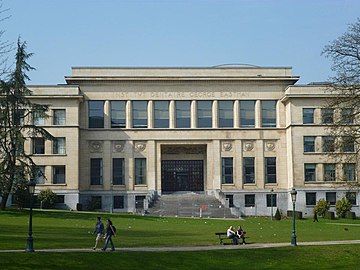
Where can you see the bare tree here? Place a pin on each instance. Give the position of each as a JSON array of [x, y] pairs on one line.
[[344, 88]]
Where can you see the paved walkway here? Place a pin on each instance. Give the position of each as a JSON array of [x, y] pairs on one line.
[[195, 248]]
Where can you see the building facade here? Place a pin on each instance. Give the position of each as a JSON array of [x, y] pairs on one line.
[[247, 133]]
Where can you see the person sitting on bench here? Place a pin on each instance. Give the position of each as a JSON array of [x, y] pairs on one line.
[[240, 234], [232, 235]]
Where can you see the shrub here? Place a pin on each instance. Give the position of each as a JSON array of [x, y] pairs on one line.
[[342, 206], [329, 215], [350, 215], [321, 207], [48, 198], [277, 214]]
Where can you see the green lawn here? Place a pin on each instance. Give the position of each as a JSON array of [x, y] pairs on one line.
[[320, 257], [60, 229]]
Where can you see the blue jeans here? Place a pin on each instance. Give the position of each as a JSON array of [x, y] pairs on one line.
[[108, 239]]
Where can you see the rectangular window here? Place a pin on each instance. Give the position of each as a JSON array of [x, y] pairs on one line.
[[140, 171], [204, 114], [183, 117], [39, 175], [348, 144], [328, 144], [309, 144], [96, 171], [118, 202], [349, 172], [59, 146], [329, 172], [249, 200], [351, 196], [60, 199], [161, 114], [226, 114], [249, 170], [268, 113], [118, 114], [38, 119], [327, 116], [227, 170], [271, 200], [19, 117], [347, 116], [59, 117], [96, 202], [38, 146], [308, 115], [231, 200], [311, 198], [139, 202], [270, 170], [58, 174], [331, 197], [96, 114], [247, 113], [118, 171], [310, 172], [139, 114]]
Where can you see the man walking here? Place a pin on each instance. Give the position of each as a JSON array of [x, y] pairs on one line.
[[99, 231]]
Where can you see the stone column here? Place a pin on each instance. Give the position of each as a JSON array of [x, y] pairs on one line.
[[151, 165], [107, 165], [86, 114], [278, 114], [216, 164], [238, 166], [158, 167], [107, 114], [215, 114], [131, 173], [193, 114], [259, 163], [257, 114], [236, 114], [128, 114], [319, 172], [150, 114], [172, 116]]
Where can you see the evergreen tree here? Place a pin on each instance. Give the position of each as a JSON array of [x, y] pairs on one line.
[[16, 125]]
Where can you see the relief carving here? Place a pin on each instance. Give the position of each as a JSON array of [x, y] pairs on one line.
[[96, 146], [248, 145], [140, 146], [270, 145], [118, 146], [227, 146]]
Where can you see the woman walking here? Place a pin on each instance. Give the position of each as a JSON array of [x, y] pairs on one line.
[[110, 231]]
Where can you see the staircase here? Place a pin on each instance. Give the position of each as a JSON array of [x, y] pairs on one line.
[[189, 205]]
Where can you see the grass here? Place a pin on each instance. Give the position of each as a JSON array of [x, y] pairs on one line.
[[61, 229], [319, 257]]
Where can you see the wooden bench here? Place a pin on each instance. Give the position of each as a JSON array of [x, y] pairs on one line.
[[223, 236]]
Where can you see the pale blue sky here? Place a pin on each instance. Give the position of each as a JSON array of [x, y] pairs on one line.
[[65, 33]]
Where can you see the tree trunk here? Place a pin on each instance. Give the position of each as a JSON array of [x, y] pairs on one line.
[[4, 199]]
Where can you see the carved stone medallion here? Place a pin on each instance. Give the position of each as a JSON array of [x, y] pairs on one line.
[[248, 145], [118, 146], [270, 145], [140, 146], [96, 146], [227, 146]]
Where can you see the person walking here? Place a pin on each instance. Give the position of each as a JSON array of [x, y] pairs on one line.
[[99, 231], [110, 232]]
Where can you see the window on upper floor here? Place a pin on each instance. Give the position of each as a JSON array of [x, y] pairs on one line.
[[329, 172], [38, 119], [349, 171], [39, 175], [59, 146], [348, 144], [139, 114], [204, 114], [311, 198], [270, 170], [161, 114], [59, 174], [118, 171], [96, 171], [19, 117], [309, 144], [183, 115], [247, 113], [38, 146], [331, 198], [140, 171], [59, 117], [268, 113], [227, 170], [226, 113], [328, 144], [310, 172], [327, 116], [118, 114], [347, 116], [96, 114], [308, 115], [249, 170]]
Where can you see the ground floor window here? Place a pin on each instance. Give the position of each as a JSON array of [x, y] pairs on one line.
[[140, 171], [331, 198], [96, 171], [118, 171], [60, 199], [351, 196], [310, 198], [249, 170], [95, 203], [231, 200], [227, 170], [271, 200], [139, 202], [118, 202], [250, 200]]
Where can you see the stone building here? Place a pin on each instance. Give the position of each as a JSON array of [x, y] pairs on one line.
[[241, 133]]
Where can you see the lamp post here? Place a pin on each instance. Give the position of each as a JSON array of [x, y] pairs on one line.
[[293, 193], [30, 240], [272, 202]]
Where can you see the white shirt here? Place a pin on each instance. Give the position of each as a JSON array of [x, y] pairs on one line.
[[229, 233]]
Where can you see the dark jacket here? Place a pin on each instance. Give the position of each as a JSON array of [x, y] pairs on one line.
[[99, 228]]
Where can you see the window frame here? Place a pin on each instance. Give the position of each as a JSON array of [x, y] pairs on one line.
[[55, 176], [270, 178], [96, 121], [204, 111], [224, 167], [140, 179], [117, 122], [308, 115], [96, 180], [56, 119], [252, 174]]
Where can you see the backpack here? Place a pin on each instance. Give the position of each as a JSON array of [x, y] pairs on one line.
[[113, 228]]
